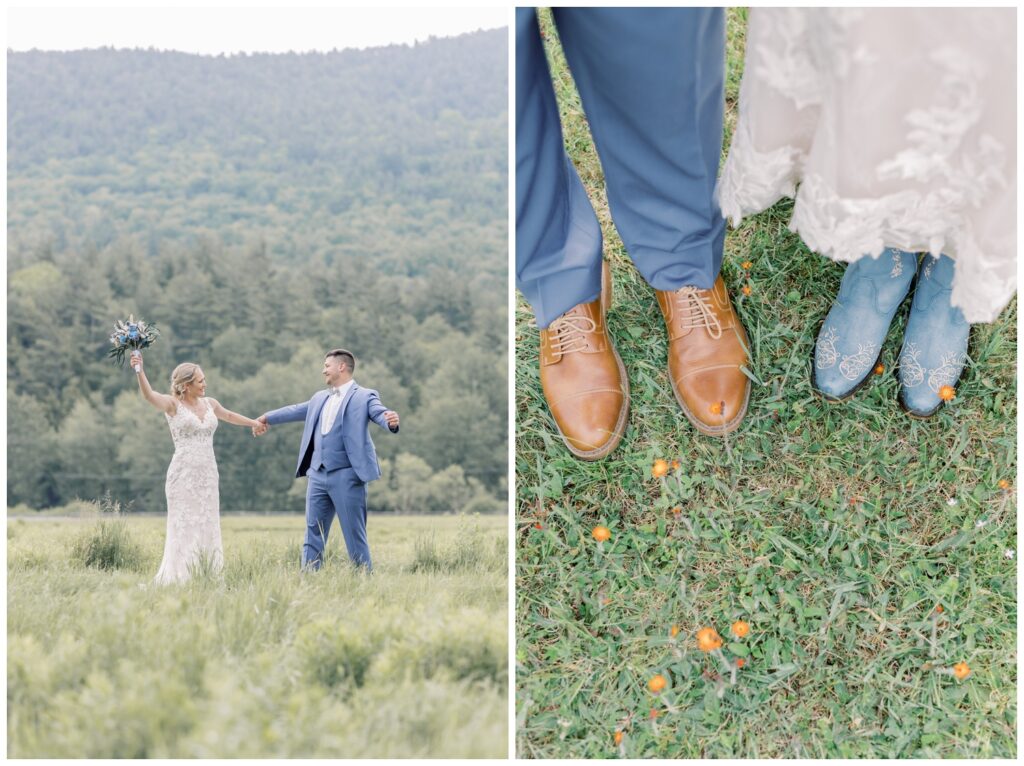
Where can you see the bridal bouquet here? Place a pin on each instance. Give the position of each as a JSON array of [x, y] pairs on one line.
[[131, 336]]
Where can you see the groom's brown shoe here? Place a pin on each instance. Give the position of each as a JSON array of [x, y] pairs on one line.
[[707, 346], [584, 381]]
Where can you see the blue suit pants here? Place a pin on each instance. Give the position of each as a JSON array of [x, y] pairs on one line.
[[651, 81], [340, 493]]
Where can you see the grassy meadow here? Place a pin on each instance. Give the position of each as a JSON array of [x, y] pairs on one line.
[[262, 661], [868, 552]]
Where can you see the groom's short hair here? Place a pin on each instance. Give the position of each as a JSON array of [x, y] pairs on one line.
[[346, 358]]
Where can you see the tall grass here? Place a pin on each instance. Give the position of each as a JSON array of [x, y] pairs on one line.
[[108, 544], [468, 549], [264, 661]]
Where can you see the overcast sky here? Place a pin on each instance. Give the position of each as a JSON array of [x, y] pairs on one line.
[[235, 29]]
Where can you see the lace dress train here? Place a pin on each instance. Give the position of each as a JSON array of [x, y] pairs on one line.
[[193, 498]]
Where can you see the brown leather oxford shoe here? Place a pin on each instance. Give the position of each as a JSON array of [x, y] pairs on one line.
[[584, 381], [707, 346]]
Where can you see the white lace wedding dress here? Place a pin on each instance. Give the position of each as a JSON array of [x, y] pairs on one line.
[[898, 125], [193, 498]]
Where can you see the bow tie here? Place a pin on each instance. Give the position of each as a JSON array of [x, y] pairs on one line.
[[336, 391]]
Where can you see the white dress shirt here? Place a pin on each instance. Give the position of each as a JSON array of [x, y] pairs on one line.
[[330, 410]]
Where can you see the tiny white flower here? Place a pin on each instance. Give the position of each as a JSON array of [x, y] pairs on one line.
[[980, 523], [1009, 552], [951, 501]]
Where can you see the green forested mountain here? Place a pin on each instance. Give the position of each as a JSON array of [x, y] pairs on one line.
[[261, 209]]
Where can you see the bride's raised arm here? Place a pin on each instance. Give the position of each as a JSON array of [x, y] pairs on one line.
[[231, 417], [163, 402]]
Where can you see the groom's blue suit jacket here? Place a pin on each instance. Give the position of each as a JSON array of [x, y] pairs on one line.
[[350, 434]]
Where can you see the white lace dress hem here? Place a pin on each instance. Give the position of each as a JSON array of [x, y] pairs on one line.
[[938, 176]]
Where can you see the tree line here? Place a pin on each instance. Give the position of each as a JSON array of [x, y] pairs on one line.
[[252, 267]]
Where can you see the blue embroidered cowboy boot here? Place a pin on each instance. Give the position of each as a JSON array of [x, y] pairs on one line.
[[935, 343], [850, 340]]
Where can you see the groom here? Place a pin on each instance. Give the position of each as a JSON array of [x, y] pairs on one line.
[[337, 456]]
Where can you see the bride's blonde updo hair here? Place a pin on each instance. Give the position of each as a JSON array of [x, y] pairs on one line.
[[183, 374]]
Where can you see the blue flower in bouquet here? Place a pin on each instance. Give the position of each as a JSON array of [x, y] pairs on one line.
[[131, 335]]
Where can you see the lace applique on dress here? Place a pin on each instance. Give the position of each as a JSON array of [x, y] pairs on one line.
[[193, 497]]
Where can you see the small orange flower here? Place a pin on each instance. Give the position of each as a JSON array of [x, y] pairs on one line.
[[606, 600], [657, 683], [618, 736], [879, 368], [675, 465], [946, 393], [659, 469], [939, 609], [746, 290], [746, 265], [1004, 484], [601, 534], [654, 713], [961, 670], [674, 631], [740, 662], [716, 408], [740, 628], [676, 511], [538, 525], [708, 640]]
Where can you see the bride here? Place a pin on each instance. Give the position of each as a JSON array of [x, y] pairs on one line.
[[193, 497]]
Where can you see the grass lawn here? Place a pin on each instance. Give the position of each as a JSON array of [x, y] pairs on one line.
[[868, 552], [261, 662]]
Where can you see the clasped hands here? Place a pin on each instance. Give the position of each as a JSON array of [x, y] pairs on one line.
[[263, 426]]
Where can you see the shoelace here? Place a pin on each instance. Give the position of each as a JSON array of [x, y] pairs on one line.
[[699, 313], [568, 333]]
